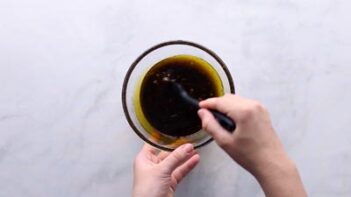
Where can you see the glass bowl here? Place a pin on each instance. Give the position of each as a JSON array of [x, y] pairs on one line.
[[135, 75]]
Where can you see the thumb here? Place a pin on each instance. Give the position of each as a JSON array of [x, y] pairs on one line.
[[177, 157], [209, 123]]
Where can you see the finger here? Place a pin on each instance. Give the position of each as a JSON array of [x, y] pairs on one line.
[[177, 157], [230, 104], [185, 168], [162, 155], [209, 123], [223, 104]]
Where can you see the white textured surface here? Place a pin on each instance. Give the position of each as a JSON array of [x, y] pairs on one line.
[[62, 128]]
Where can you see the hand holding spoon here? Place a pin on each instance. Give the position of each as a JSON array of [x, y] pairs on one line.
[[222, 119]]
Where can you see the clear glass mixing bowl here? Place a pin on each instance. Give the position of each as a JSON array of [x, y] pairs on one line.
[[132, 83]]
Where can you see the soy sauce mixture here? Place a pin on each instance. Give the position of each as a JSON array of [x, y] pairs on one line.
[[162, 106]]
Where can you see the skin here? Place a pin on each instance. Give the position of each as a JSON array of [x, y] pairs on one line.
[[254, 145], [157, 173]]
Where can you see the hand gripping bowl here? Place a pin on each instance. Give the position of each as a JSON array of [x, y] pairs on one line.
[[132, 88]]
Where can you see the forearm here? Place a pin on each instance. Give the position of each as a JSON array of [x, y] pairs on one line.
[[281, 179]]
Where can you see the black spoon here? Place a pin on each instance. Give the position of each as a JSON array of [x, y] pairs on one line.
[[223, 120]]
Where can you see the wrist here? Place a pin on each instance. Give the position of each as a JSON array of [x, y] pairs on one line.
[[151, 190], [141, 190], [274, 166], [280, 178]]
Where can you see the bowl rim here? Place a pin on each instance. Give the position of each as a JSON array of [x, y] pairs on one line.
[[145, 53]]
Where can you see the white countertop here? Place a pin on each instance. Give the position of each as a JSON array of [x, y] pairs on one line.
[[62, 64]]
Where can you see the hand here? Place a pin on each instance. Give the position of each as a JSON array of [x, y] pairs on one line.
[[254, 138], [254, 143], [157, 173]]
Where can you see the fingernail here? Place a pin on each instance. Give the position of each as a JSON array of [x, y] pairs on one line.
[[200, 112], [188, 148]]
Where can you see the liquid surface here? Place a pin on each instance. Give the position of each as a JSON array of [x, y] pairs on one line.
[[162, 106]]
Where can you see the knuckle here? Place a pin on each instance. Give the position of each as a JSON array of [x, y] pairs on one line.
[[251, 110], [246, 113], [225, 142], [257, 106], [178, 155], [186, 168]]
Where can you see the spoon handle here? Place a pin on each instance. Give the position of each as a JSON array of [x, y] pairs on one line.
[[224, 120]]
